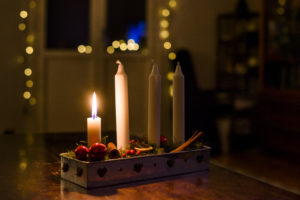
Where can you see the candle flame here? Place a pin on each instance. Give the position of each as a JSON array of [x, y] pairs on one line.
[[94, 106]]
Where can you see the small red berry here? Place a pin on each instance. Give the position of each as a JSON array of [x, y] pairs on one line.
[[123, 155], [138, 152], [81, 152], [163, 140], [132, 141], [128, 152], [132, 151]]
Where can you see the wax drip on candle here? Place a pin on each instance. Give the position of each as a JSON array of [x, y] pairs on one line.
[[94, 107], [121, 69]]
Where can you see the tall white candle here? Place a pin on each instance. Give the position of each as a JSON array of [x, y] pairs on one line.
[[94, 124], [178, 106], [154, 101], [122, 112]]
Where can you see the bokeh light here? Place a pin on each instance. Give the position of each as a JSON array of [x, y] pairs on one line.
[[88, 49], [170, 76], [32, 101], [28, 72], [22, 26], [172, 3], [165, 12], [172, 56], [110, 50], [81, 48], [136, 46], [123, 47], [167, 45], [29, 83], [164, 23], [26, 95], [164, 34], [116, 44], [29, 50], [23, 14], [30, 38]]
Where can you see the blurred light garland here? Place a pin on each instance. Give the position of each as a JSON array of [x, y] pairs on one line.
[[24, 14], [164, 34]]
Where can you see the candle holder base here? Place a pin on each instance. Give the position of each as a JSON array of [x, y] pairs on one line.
[[126, 170]]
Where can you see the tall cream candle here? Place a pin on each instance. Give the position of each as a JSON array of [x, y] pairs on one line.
[[178, 106], [122, 112], [94, 124], [154, 101]]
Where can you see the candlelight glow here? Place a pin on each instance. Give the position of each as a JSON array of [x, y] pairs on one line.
[[94, 106]]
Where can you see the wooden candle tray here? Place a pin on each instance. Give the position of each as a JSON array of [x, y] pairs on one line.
[[126, 170]]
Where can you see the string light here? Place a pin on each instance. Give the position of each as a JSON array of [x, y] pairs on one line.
[[26, 95], [167, 45], [22, 26], [164, 23], [136, 46], [29, 50], [24, 14], [29, 83], [116, 44], [172, 3], [123, 47], [165, 12], [32, 101], [88, 49], [81, 48], [172, 56], [28, 72], [164, 34], [170, 76], [30, 38], [110, 50]]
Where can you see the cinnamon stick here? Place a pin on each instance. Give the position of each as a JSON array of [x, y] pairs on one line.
[[113, 152], [188, 142]]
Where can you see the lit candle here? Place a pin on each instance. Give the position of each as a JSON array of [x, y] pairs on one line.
[[178, 106], [154, 100], [122, 112], [94, 124]]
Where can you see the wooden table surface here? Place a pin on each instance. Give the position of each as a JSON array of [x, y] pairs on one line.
[[30, 169]]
